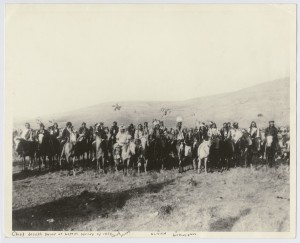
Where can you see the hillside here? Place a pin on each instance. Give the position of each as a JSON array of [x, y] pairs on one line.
[[271, 99]]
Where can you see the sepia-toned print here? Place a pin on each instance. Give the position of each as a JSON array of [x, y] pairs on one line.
[[150, 120]]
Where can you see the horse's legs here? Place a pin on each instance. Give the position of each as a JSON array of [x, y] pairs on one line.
[[127, 165], [146, 164], [40, 163], [23, 162], [139, 165], [73, 165], [205, 165], [199, 166], [194, 164], [180, 166]]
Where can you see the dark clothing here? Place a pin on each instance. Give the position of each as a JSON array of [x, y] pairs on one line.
[[44, 132], [272, 131], [65, 134], [54, 131], [224, 133], [101, 133], [85, 131], [202, 133], [189, 139], [131, 131], [113, 133]]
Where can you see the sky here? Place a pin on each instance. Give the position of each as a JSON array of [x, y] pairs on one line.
[[64, 57]]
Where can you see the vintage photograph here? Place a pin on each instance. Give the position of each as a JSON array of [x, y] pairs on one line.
[[150, 118]]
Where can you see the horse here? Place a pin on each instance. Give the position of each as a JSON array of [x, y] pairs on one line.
[[69, 151], [255, 150], [25, 149], [55, 146], [243, 146], [82, 147], [203, 154], [157, 151], [227, 153], [184, 152], [141, 153], [269, 150], [117, 157], [101, 152], [128, 155], [44, 149], [214, 151]]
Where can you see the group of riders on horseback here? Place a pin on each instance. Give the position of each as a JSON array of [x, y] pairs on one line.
[[151, 147]]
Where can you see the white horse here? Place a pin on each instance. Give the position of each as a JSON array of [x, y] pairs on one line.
[[203, 153], [68, 151]]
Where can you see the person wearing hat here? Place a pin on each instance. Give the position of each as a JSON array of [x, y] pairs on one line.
[[272, 131]]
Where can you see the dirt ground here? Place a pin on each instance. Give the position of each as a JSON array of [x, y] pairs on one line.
[[241, 199]]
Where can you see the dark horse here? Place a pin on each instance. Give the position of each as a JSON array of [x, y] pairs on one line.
[[157, 151], [25, 149], [215, 152], [44, 149], [255, 151], [269, 150], [235, 151]]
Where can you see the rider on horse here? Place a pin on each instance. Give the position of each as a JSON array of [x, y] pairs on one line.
[[42, 131], [235, 133], [253, 130], [65, 136], [54, 130], [27, 133], [272, 131], [114, 130], [84, 131], [224, 131]]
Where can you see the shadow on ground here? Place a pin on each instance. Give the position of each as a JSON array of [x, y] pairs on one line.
[[70, 211], [226, 224]]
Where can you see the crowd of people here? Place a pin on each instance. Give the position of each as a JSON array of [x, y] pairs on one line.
[[121, 134]]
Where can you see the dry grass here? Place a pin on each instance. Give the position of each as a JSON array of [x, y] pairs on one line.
[[237, 200]]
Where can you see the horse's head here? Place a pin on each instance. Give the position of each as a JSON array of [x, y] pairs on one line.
[[17, 143], [246, 139], [132, 147], [73, 137], [40, 138]]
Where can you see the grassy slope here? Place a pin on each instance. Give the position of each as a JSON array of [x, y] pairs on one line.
[[238, 200], [270, 99]]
